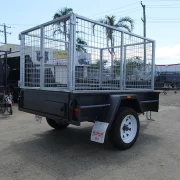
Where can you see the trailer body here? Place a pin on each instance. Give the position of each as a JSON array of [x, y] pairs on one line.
[[81, 74], [92, 106]]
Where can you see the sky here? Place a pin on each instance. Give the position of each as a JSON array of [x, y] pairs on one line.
[[163, 19]]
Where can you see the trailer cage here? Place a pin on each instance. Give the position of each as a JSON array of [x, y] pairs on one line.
[[75, 69]]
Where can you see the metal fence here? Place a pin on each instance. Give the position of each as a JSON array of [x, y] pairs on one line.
[[75, 53]]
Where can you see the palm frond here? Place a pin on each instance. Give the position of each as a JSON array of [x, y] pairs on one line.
[[80, 41], [62, 12], [80, 47], [110, 20], [127, 19], [56, 15], [58, 30], [124, 26], [66, 11], [103, 21]]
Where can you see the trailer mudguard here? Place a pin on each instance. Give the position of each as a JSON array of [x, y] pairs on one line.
[[105, 108], [104, 123], [118, 101]]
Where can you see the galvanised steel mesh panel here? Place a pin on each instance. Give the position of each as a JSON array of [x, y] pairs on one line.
[[75, 53], [56, 49], [44, 55], [30, 56], [137, 69], [116, 58], [101, 68]]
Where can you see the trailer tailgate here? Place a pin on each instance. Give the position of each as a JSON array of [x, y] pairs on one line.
[[46, 102]]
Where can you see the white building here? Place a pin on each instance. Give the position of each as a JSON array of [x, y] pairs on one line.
[[15, 48], [168, 68]]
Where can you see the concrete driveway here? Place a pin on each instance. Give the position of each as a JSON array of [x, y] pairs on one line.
[[29, 150]]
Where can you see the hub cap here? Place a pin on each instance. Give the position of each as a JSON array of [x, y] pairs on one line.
[[128, 129]]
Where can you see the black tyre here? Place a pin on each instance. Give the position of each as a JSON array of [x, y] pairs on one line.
[[125, 129], [2, 108], [57, 125], [10, 110]]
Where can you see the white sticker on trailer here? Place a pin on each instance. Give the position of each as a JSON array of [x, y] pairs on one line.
[[99, 131], [38, 118]]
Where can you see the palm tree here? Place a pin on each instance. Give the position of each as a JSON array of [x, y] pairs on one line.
[[125, 23], [65, 31], [62, 12]]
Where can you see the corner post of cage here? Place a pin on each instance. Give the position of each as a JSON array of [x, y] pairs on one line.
[[22, 59], [42, 57], [101, 68], [153, 65], [72, 53], [125, 63], [122, 61]]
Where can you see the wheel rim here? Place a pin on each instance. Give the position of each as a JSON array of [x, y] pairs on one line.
[[128, 129]]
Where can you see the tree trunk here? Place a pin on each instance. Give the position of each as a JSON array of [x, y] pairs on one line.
[[112, 54], [65, 35]]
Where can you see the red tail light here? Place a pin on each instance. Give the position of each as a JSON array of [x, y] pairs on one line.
[[76, 112]]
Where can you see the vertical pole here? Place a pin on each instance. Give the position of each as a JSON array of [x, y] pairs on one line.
[[153, 65], [6, 70], [122, 61], [101, 68], [72, 53], [125, 67], [144, 29], [42, 58], [22, 60], [112, 57], [5, 41], [5, 37]]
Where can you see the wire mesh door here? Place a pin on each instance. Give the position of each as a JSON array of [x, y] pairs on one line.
[[56, 53], [138, 64], [30, 58], [45, 55]]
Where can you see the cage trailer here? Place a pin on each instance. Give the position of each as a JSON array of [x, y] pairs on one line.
[[74, 69]]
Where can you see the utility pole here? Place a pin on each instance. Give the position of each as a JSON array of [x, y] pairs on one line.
[[5, 42], [144, 30], [5, 32]]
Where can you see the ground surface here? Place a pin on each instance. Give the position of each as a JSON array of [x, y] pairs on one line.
[[29, 150]]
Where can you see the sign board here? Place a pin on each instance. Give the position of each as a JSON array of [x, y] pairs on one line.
[[81, 58], [60, 55]]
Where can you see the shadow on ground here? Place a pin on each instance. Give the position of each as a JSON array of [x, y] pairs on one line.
[[71, 153]]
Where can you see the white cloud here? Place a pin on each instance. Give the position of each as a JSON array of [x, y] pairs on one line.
[[168, 55]]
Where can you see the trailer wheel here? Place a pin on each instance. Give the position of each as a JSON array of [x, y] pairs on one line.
[[56, 125], [2, 109], [125, 129], [10, 110]]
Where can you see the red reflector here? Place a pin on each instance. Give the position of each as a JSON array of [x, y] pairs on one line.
[[76, 112]]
